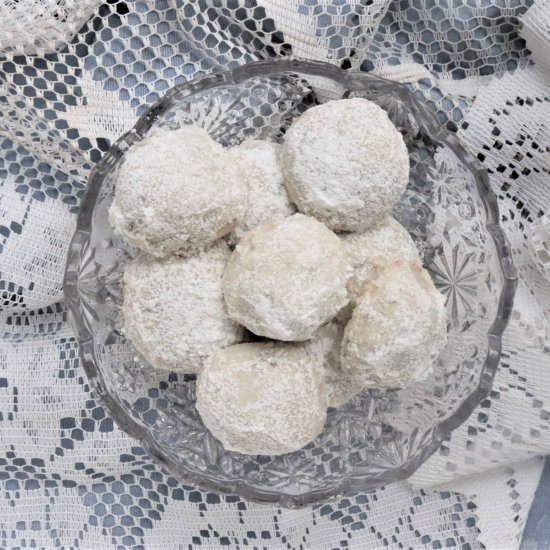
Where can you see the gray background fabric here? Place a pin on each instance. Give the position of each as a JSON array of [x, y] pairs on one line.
[[537, 528]]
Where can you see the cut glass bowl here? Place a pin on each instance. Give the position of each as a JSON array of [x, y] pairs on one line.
[[378, 437]]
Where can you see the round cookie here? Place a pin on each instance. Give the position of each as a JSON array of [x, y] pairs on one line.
[[325, 347], [262, 398], [267, 198], [177, 191], [397, 329], [285, 279], [372, 250], [173, 308], [345, 163]]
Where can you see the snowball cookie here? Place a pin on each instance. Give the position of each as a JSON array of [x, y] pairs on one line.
[[262, 398], [325, 347], [345, 163], [285, 279], [397, 329], [173, 308], [176, 191], [267, 198], [372, 250]]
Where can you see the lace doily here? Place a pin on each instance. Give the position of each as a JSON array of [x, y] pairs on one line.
[[75, 75]]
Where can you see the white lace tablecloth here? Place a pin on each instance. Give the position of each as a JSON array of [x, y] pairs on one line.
[[75, 74]]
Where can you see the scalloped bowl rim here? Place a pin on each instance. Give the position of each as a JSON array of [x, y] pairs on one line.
[[348, 79]]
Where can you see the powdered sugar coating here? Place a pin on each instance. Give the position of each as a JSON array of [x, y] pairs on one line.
[[372, 250], [325, 346], [345, 163], [267, 198], [173, 309], [262, 398], [177, 191], [285, 279], [397, 329]]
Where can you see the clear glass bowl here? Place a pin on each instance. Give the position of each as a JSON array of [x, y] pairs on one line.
[[380, 436]]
